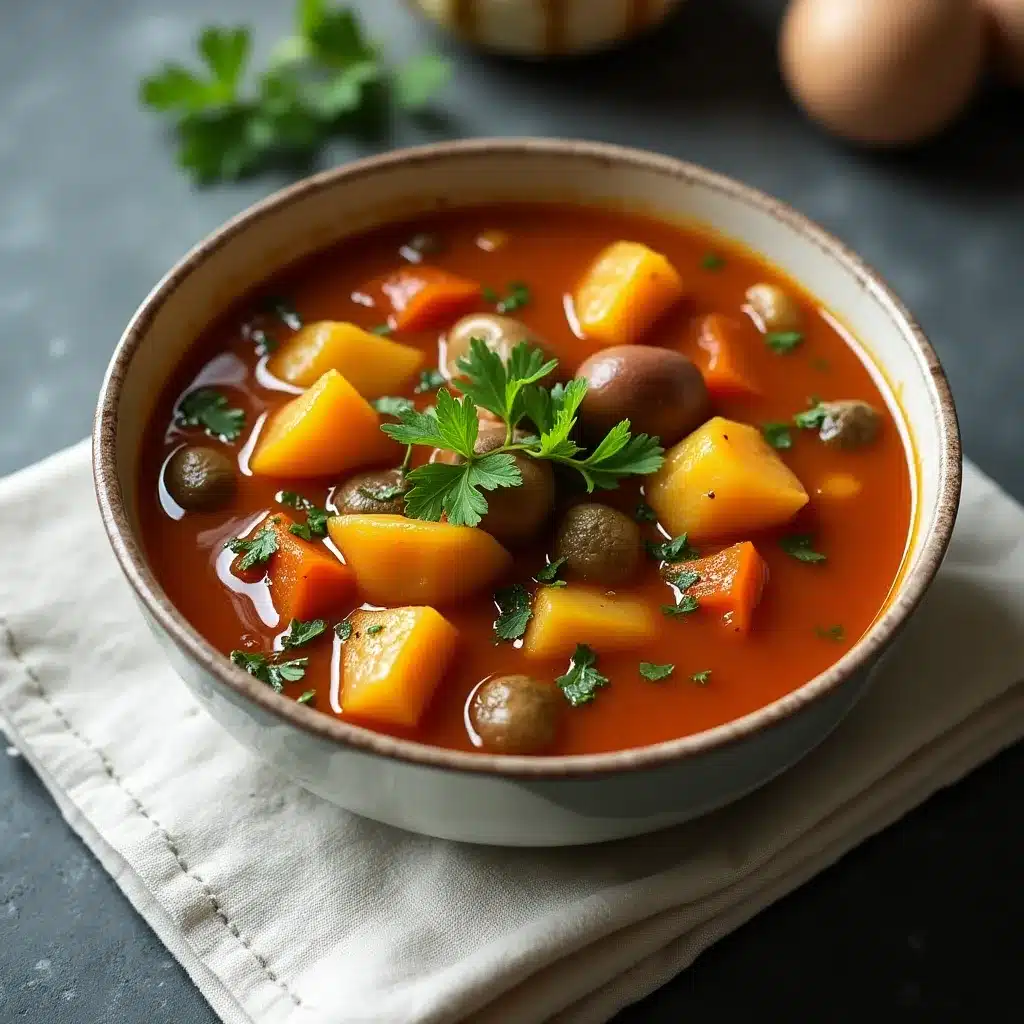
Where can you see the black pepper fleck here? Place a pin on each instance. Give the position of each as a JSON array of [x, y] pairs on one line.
[[711, 495]]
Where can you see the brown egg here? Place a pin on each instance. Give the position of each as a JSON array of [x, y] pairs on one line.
[[882, 72], [1006, 19]]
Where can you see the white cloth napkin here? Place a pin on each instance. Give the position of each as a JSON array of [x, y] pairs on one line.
[[284, 908]]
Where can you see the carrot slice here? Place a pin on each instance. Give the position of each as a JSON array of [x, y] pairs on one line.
[[425, 297], [306, 580], [720, 358], [730, 582]]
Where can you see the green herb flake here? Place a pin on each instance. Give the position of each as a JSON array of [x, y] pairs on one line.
[[778, 435], [517, 295], [382, 330], [209, 409], [269, 670], [514, 612], [783, 341], [430, 380], [712, 261], [308, 697], [649, 670], [687, 605], [701, 678], [389, 405], [685, 580], [801, 547], [813, 417], [645, 514], [549, 574], [256, 550], [343, 630], [374, 629], [677, 549], [302, 632], [316, 517], [582, 681], [835, 633]]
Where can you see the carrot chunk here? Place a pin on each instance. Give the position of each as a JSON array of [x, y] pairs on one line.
[[720, 358], [306, 580], [393, 662], [424, 297], [730, 582]]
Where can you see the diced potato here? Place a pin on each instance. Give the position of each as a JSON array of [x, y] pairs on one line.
[[839, 487], [625, 290], [328, 429], [722, 481], [373, 365], [408, 561], [393, 662], [730, 582], [566, 616], [306, 580]]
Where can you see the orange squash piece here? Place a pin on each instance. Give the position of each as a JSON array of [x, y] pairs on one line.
[[731, 582], [328, 429], [425, 297], [720, 358], [306, 580], [393, 662], [623, 292], [373, 365], [408, 561]]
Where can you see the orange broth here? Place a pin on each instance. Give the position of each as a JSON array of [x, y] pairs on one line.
[[549, 247]]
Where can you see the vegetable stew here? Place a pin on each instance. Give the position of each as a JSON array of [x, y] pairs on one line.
[[528, 479]]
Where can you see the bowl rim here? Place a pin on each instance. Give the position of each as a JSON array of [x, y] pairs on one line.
[[910, 587]]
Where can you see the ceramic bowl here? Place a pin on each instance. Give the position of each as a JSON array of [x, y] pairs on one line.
[[545, 28], [489, 798]]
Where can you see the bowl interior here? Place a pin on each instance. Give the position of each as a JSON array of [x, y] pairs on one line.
[[323, 210]]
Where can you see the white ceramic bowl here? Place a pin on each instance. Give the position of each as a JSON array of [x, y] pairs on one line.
[[488, 798], [545, 28]]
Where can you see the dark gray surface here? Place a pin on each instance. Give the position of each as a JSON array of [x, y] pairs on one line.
[[921, 919]]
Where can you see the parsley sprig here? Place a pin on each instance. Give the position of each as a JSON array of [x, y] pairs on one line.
[[511, 391], [209, 409], [272, 671], [316, 517], [582, 681], [255, 550]]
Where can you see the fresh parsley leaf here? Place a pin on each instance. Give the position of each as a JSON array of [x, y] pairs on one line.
[[645, 514], [777, 435], [316, 517], [678, 549], [517, 295], [488, 295], [391, 406], [556, 442], [416, 82], [383, 330], [582, 681], [209, 409], [687, 605], [301, 530], [836, 633], [302, 632], [496, 385], [430, 380], [306, 698], [343, 630], [801, 547], [712, 261], [455, 490], [620, 455], [514, 612], [812, 418], [253, 663], [256, 550], [283, 309], [783, 341], [270, 671], [374, 629], [416, 427], [685, 580], [549, 574], [649, 670], [702, 678], [287, 672]]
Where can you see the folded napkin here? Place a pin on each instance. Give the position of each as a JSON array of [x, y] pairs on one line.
[[285, 908]]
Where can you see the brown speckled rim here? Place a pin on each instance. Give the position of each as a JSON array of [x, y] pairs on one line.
[[911, 587]]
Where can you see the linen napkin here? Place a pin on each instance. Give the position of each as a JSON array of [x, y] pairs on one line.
[[284, 908]]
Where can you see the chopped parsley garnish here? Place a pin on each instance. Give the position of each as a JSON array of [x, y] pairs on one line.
[[284, 310], [582, 680], [687, 604], [430, 380], [783, 341], [649, 670], [327, 79], [549, 574], [343, 630], [255, 550], [316, 517], [209, 409], [374, 629], [675, 550], [514, 612], [269, 670], [836, 633], [812, 418], [702, 678], [645, 514], [712, 261], [801, 547], [685, 580], [517, 296], [389, 405], [302, 632], [778, 435], [510, 391], [307, 698], [382, 329]]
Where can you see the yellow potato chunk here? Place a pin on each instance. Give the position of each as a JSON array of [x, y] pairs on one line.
[[373, 365], [625, 290], [328, 429], [409, 561], [839, 487], [393, 661], [723, 482], [566, 616]]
